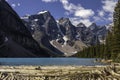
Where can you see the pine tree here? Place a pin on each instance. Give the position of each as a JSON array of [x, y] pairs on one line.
[[109, 45], [116, 31]]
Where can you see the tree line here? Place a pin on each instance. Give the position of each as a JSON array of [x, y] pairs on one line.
[[111, 48]]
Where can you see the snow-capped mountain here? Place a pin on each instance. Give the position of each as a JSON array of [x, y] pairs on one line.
[[62, 36], [45, 21], [44, 29]]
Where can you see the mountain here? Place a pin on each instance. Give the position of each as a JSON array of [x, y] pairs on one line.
[[67, 28], [56, 37], [84, 34], [99, 32], [40, 35], [43, 28], [45, 22], [62, 36], [91, 35], [15, 39]]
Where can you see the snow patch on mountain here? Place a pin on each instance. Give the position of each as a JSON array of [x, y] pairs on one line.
[[42, 12], [25, 17], [36, 20], [66, 49], [65, 38]]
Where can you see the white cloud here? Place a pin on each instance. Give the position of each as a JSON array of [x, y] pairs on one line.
[[99, 19], [108, 5], [13, 5], [87, 22], [47, 1], [101, 13], [96, 18], [106, 13], [80, 14], [64, 1], [69, 7], [18, 4], [67, 13], [6, 0], [85, 13], [77, 10], [110, 17], [76, 20]]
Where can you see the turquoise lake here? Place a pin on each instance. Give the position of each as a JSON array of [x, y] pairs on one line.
[[50, 61]]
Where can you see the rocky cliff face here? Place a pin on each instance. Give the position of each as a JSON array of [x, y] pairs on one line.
[[91, 35], [62, 36], [43, 28], [99, 33], [16, 40], [57, 37], [45, 22], [67, 28], [84, 34]]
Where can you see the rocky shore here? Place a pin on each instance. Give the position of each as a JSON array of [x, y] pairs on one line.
[[110, 72]]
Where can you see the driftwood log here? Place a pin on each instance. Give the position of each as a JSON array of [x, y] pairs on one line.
[[111, 72]]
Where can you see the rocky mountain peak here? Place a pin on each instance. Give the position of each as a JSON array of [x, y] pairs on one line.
[[93, 26], [45, 14], [64, 21], [81, 25], [67, 28]]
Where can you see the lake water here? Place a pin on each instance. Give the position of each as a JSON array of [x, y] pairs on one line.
[[50, 61]]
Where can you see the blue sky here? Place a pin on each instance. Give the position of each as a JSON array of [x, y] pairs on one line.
[[86, 11]]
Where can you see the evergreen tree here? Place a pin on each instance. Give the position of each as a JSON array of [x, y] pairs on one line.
[[116, 29], [108, 45], [116, 32]]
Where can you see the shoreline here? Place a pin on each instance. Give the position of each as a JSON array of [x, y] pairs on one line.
[[60, 72]]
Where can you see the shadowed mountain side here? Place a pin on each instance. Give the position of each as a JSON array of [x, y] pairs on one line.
[[16, 39]]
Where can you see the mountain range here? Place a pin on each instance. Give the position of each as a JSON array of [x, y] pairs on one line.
[[40, 35], [61, 35]]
